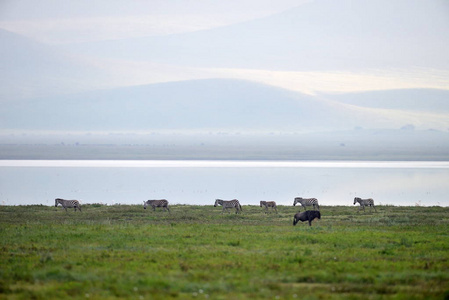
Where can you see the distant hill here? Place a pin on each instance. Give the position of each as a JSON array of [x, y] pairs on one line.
[[29, 68], [424, 100], [214, 104], [319, 35], [201, 104]]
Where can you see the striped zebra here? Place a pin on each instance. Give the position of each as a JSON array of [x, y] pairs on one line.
[[156, 203], [307, 202], [229, 204], [365, 202], [267, 204], [68, 203]]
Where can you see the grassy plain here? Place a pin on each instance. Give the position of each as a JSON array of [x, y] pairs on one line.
[[195, 252]]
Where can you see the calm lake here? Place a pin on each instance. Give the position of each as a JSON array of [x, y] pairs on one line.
[[201, 182]]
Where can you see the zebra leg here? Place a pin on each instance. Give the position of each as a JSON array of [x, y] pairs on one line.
[[275, 209]]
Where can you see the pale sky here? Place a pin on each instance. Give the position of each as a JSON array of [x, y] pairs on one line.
[[54, 48], [65, 23]]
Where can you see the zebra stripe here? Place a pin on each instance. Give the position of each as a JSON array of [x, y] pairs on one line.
[[307, 202], [229, 204], [365, 202], [68, 203], [267, 204], [156, 203]]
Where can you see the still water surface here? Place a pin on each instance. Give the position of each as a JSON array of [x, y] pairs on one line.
[[201, 182]]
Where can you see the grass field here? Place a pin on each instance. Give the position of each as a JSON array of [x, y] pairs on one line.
[[195, 252]]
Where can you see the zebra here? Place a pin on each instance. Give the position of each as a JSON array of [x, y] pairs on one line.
[[307, 202], [364, 202], [156, 203], [267, 204], [68, 203], [229, 204]]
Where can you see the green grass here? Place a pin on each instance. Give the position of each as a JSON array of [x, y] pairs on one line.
[[195, 252]]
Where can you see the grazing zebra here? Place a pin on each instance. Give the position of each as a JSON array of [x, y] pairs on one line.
[[267, 204], [307, 202], [229, 204], [68, 203], [156, 203], [365, 202]]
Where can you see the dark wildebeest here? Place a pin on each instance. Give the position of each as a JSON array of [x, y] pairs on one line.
[[308, 215]]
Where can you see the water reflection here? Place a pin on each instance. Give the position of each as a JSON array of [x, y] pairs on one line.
[[200, 182]]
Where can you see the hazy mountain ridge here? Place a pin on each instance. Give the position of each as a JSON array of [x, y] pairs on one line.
[[429, 100], [320, 35], [213, 119], [297, 39], [45, 89], [230, 104], [213, 104], [30, 69]]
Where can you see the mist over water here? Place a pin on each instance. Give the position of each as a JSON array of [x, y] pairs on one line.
[[201, 182]]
